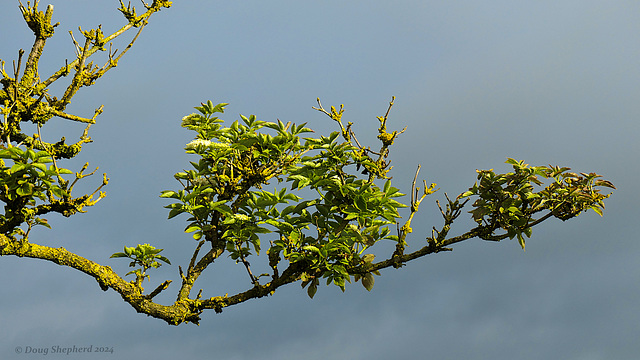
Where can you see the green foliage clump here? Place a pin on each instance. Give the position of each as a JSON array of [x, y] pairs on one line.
[[223, 195], [508, 201], [145, 256]]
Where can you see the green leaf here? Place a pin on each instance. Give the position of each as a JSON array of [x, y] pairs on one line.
[[43, 222], [289, 209], [300, 181], [128, 250], [368, 281], [191, 228], [324, 210], [18, 167], [175, 212], [312, 289], [387, 186], [25, 189], [57, 191], [15, 152], [604, 183], [467, 194], [218, 205], [260, 230], [160, 257], [181, 176], [39, 166], [219, 108], [311, 248], [521, 240], [361, 204], [512, 161], [597, 209], [169, 194], [6, 154], [303, 205]]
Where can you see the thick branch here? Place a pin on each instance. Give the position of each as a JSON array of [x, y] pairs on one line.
[[181, 311], [104, 275]]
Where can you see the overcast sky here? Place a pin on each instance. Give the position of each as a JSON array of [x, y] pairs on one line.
[[550, 82]]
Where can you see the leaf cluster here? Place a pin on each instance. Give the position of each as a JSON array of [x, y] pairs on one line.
[[509, 201], [31, 184], [145, 256], [326, 231]]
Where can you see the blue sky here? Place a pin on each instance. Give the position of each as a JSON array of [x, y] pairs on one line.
[[550, 82]]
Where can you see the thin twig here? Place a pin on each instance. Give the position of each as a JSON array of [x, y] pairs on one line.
[[414, 191], [158, 290], [195, 255]]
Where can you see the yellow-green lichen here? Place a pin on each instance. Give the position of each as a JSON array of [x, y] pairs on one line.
[[39, 22]]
